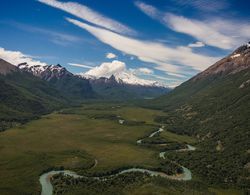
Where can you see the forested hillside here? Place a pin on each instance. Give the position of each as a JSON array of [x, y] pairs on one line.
[[214, 106]]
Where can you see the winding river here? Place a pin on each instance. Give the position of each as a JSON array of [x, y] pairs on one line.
[[47, 188]]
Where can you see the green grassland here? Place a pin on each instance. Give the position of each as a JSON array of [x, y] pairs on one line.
[[75, 138], [69, 140]]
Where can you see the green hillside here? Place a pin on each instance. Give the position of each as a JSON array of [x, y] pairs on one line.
[[215, 108], [24, 97]]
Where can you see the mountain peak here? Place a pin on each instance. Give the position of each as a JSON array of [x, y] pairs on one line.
[[112, 77], [235, 62], [46, 72], [243, 49]]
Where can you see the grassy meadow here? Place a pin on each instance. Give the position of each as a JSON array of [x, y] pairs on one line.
[[73, 141], [88, 140]]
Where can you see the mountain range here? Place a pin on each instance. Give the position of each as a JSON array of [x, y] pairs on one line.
[[127, 78], [63, 80], [119, 86], [126, 85]]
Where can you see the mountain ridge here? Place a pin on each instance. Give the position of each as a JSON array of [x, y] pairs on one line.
[[126, 77], [233, 63], [114, 87], [70, 84]]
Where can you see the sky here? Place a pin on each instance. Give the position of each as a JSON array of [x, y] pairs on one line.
[[164, 40]]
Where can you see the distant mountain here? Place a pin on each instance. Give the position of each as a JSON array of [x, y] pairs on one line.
[[66, 82], [126, 77], [119, 86], [24, 96], [125, 85], [214, 106]]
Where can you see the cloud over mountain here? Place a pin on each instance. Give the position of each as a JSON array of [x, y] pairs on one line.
[[17, 57], [107, 69]]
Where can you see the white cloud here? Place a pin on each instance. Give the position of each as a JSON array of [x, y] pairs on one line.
[[217, 32], [107, 69], [200, 30], [17, 57], [166, 58], [89, 15], [238, 31], [80, 65], [145, 71], [120, 71], [196, 44], [110, 55], [148, 9]]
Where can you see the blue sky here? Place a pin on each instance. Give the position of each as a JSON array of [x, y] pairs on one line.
[[165, 40]]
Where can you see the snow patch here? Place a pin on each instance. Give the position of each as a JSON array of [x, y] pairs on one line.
[[129, 78], [235, 56]]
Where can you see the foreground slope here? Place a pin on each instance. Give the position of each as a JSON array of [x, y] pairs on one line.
[[214, 106]]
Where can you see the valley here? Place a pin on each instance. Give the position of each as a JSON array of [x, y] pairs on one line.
[[62, 134], [90, 141], [124, 98]]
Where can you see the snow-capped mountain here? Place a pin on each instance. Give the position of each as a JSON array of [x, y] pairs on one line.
[[46, 72], [125, 85], [122, 85], [61, 78], [126, 77]]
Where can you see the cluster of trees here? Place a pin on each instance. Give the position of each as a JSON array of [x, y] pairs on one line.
[[63, 184], [125, 184]]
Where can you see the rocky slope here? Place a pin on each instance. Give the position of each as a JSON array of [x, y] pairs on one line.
[[237, 61]]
